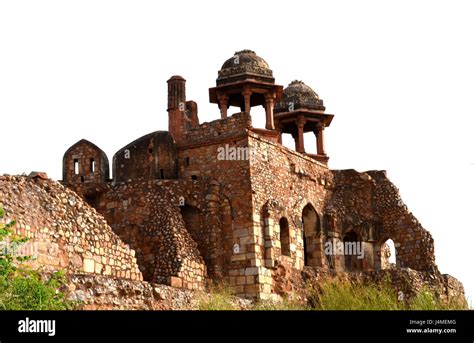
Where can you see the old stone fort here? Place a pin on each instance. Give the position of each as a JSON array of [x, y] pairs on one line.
[[183, 215]]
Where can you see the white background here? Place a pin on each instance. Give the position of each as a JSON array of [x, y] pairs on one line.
[[398, 75]]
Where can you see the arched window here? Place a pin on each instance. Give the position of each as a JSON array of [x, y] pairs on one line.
[[284, 237], [311, 231], [388, 254]]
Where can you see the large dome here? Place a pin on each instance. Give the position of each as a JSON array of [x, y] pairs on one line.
[[243, 65], [299, 95]]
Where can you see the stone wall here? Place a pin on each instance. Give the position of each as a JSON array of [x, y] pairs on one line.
[[94, 292], [229, 198], [64, 232], [222, 129], [285, 184], [148, 216]]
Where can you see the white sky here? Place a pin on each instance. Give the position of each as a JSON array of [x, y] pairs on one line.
[[398, 75]]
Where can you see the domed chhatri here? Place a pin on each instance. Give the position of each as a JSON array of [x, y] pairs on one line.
[[245, 81], [299, 95], [243, 65], [301, 110]]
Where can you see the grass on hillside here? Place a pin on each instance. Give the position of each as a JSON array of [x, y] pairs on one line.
[[336, 294]]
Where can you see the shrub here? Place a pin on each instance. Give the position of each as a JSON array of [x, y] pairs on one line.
[[22, 288]]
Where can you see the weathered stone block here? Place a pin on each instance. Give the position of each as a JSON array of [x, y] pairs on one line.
[[89, 265]]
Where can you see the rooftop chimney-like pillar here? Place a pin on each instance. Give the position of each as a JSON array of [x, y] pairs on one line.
[[177, 107]]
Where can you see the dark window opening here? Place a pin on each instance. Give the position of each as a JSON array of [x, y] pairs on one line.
[[162, 173], [187, 161], [92, 200], [311, 238], [305, 250], [194, 177], [92, 166], [82, 178], [150, 150], [284, 237], [351, 260], [76, 166]]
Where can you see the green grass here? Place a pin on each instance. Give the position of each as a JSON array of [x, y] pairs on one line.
[[220, 298], [336, 294], [284, 305]]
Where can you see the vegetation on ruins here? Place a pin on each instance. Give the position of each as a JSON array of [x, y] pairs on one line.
[[336, 294], [22, 288]]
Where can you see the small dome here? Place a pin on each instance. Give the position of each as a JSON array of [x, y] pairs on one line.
[[177, 77], [299, 95], [243, 65]]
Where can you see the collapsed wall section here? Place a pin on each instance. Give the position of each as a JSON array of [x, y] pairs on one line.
[[64, 232], [370, 205]]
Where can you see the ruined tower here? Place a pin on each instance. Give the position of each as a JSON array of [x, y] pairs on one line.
[[177, 106], [182, 114]]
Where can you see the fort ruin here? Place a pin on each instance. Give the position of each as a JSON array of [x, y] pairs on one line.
[[189, 217]]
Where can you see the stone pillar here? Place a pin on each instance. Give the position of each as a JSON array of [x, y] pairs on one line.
[[300, 122], [269, 103], [279, 127], [223, 105], [320, 140], [247, 92]]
